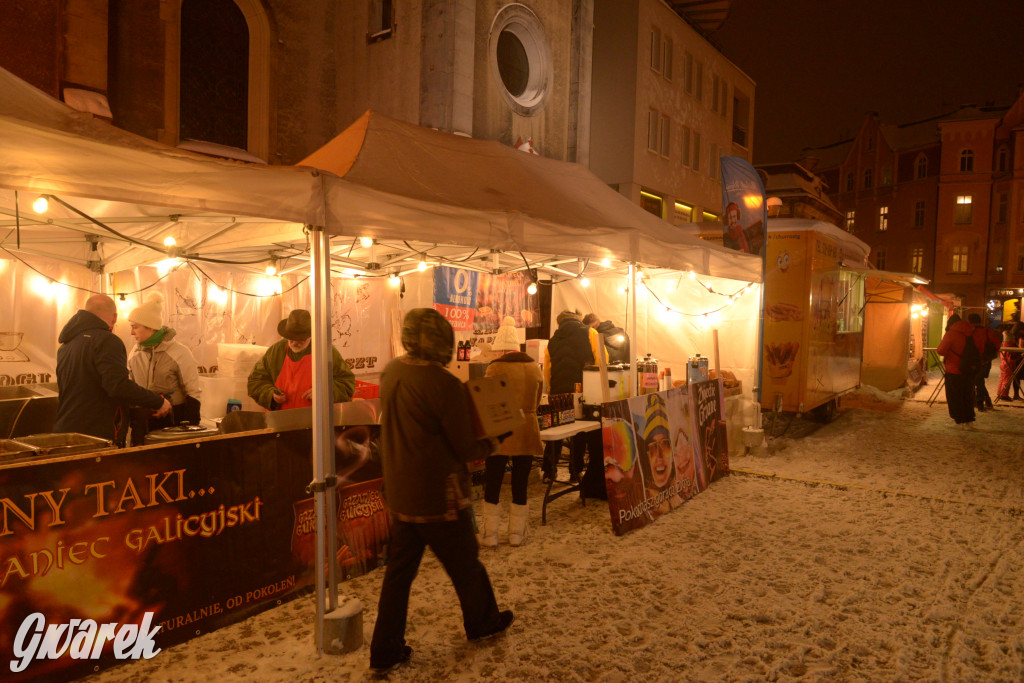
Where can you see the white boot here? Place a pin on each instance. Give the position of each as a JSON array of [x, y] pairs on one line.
[[489, 526], [518, 524]]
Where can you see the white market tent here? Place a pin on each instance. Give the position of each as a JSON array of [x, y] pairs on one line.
[[421, 194]]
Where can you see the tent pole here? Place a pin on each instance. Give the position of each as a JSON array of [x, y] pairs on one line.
[[635, 343], [323, 430]]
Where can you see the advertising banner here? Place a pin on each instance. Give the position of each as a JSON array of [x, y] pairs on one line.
[[744, 206], [660, 450], [475, 303], [188, 537]]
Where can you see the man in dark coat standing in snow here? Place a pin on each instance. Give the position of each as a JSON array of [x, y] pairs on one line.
[[94, 391]]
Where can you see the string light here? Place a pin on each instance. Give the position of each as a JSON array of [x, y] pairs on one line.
[[170, 241], [366, 242], [270, 270], [422, 266], [584, 281], [41, 205], [394, 280], [531, 288]]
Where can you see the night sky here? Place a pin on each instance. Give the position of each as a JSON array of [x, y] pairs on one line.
[[819, 67]]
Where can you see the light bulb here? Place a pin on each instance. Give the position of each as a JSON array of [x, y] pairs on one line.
[[170, 241], [270, 270], [41, 204], [585, 281], [606, 262], [531, 288], [366, 242], [422, 266], [692, 274], [394, 280]]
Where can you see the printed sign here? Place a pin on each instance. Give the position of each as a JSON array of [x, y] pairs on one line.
[[744, 209], [659, 452], [478, 302]]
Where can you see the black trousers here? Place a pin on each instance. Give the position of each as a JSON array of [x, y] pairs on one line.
[[960, 397], [454, 544], [494, 474], [981, 396]]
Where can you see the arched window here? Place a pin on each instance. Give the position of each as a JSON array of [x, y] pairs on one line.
[[214, 73], [921, 167], [966, 160], [869, 178]]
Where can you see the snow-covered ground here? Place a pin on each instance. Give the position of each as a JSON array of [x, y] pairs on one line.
[[885, 546]]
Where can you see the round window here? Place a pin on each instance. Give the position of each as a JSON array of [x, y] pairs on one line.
[[520, 58]]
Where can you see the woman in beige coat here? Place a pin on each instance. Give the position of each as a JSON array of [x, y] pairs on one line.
[[524, 374]]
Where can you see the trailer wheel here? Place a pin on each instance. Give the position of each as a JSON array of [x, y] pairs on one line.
[[826, 412]]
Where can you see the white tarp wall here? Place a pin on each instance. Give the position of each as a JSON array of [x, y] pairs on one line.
[[673, 336]]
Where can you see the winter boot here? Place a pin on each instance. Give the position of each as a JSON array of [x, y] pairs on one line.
[[489, 528], [518, 523]]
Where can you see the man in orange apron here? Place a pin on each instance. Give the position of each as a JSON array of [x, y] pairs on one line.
[[283, 378]]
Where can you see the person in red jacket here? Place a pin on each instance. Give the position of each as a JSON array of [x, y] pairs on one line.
[[959, 387], [988, 342]]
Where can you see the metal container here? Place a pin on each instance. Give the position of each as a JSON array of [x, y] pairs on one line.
[[10, 449], [64, 444], [179, 432]]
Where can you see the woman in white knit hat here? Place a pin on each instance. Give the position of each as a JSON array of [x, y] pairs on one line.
[[163, 365], [524, 374]]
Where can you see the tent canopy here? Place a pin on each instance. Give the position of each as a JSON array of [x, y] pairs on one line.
[[431, 189]]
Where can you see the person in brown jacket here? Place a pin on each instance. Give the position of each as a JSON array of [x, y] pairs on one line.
[[524, 375]]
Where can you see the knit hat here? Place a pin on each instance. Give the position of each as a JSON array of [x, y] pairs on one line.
[[151, 313], [506, 339], [426, 335], [298, 326], [657, 421]]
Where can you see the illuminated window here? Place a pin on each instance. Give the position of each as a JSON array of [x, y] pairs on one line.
[[849, 182], [919, 214], [963, 208], [651, 202], [960, 254], [880, 259], [683, 213], [711, 217], [916, 260], [653, 124], [883, 218], [850, 217], [966, 160], [921, 167], [869, 178], [684, 156]]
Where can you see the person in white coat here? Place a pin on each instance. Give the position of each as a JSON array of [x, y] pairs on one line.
[[163, 365]]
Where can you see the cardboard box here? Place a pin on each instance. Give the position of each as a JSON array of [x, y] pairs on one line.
[[495, 406]]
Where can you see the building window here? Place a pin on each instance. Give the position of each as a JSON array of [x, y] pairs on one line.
[[886, 176], [869, 142], [520, 58], [683, 213], [1002, 158], [666, 136], [1020, 259], [850, 217], [709, 217], [919, 214], [880, 259], [382, 20], [666, 58], [916, 260], [963, 208], [688, 73], [883, 218], [723, 108], [653, 122], [715, 84], [849, 182], [869, 178], [921, 167], [960, 259], [696, 152], [966, 161], [698, 86], [214, 95], [713, 161], [1002, 208], [656, 48], [651, 202], [684, 155]]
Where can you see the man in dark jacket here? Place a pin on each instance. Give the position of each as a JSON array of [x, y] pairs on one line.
[[94, 391], [427, 439]]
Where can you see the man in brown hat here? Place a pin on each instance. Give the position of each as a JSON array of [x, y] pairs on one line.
[[283, 378]]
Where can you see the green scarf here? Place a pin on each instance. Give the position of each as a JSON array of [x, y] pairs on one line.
[[155, 338]]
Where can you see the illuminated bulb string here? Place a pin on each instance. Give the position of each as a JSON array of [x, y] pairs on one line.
[[732, 299]]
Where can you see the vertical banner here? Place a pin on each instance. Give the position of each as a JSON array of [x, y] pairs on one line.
[[660, 450], [744, 206], [455, 296]]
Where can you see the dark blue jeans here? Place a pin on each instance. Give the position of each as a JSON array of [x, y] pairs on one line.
[[454, 544]]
